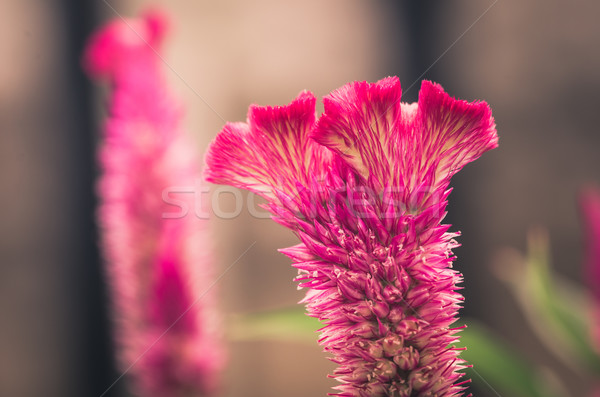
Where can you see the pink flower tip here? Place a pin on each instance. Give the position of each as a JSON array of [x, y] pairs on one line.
[[120, 38]]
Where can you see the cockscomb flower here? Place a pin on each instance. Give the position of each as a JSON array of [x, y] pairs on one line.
[[590, 211], [364, 187], [166, 327]]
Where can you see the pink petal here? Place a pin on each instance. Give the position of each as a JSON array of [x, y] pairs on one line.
[[360, 123], [271, 153], [454, 132], [412, 149]]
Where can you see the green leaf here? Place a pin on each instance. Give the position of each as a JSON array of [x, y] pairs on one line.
[[291, 324], [497, 366], [559, 309], [556, 310]]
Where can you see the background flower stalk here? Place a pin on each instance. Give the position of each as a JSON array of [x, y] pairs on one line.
[[364, 187], [590, 211], [159, 267]]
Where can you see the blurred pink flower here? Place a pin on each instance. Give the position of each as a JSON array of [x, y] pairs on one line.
[[590, 210], [365, 190], [167, 327]]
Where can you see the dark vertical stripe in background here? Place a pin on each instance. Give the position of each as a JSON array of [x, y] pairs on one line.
[[87, 278], [422, 33]]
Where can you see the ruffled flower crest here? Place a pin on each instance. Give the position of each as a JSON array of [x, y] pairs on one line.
[[410, 147]]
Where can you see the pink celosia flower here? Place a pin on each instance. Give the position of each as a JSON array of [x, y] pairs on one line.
[[167, 326], [590, 210], [365, 190]]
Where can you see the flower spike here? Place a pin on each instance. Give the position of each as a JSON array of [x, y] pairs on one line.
[[374, 256]]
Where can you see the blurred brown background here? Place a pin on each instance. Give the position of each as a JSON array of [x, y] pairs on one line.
[[536, 63]]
